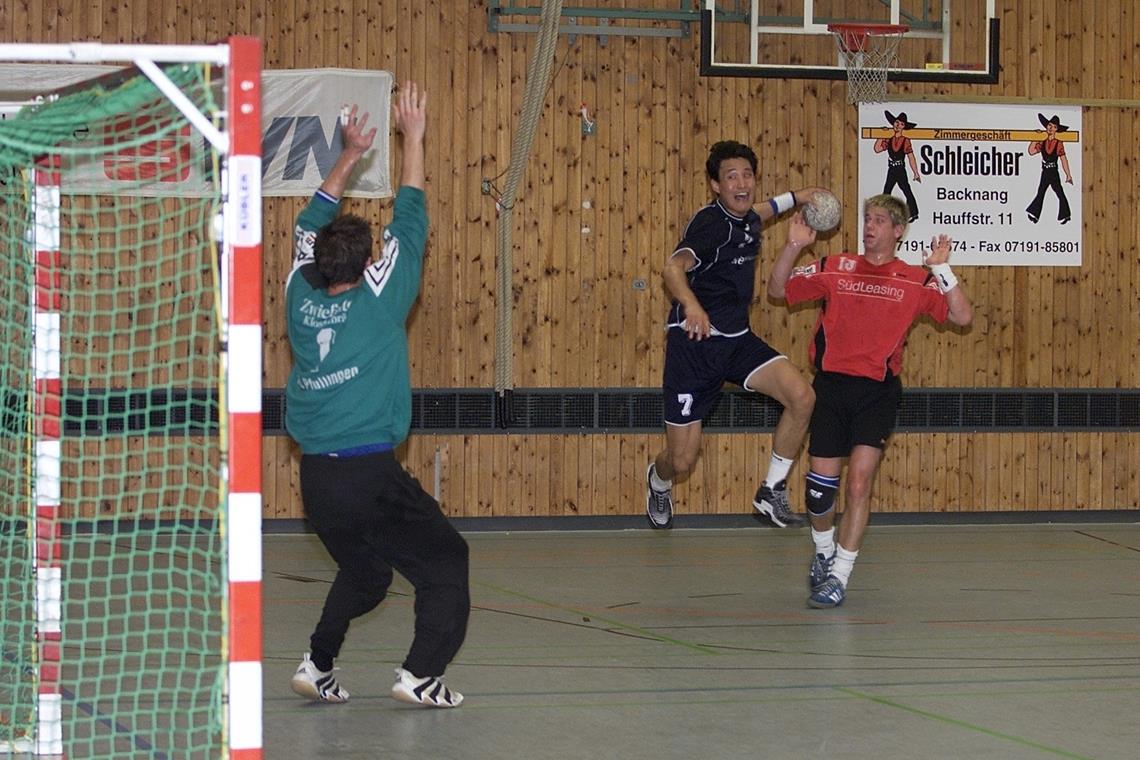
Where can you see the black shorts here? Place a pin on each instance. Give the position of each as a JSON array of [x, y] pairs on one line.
[[851, 411], [695, 370]]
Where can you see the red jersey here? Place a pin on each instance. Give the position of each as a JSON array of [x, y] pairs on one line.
[[867, 311]]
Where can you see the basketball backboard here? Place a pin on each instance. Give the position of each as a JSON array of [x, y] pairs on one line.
[[947, 41]]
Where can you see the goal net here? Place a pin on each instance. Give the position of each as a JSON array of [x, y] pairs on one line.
[[118, 253]]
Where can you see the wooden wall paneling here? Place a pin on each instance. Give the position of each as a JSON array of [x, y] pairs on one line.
[[1030, 20], [525, 224], [622, 492], [1061, 469], [608, 500], [286, 482], [1128, 475], [564, 238], [1047, 54], [611, 238], [1129, 281], [588, 462], [1113, 259], [951, 481], [1050, 469], [726, 467], [462, 495], [635, 203], [554, 492], [1100, 472], [554, 132], [1085, 477], [676, 114], [1025, 471], [477, 289], [908, 488], [1064, 462], [429, 322], [651, 306], [471, 475], [541, 469], [1006, 471], [467, 323], [567, 287], [578, 333]]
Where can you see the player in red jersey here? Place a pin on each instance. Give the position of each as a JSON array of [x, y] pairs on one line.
[[869, 305]]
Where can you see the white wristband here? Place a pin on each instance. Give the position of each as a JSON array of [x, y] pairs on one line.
[[782, 203], [944, 277]]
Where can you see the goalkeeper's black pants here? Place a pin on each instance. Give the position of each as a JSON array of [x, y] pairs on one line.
[[374, 517]]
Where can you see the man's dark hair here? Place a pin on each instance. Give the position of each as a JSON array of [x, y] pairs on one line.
[[343, 249], [728, 149]]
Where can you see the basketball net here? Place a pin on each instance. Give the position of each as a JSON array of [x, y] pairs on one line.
[[867, 51]]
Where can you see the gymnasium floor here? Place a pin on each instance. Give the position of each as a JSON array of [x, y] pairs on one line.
[[996, 641]]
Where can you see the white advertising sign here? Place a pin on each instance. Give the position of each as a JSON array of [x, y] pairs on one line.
[[1003, 181]]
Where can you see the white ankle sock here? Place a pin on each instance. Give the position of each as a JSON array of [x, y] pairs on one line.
[[844, 563], [824, 541], [656, 483], [778, 469]]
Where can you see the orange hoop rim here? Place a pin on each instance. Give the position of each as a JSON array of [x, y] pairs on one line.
[[868, 30]]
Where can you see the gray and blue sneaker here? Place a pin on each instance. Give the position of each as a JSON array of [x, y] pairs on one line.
[[830, 593], [819, 570], [772, 504], [658, 504]]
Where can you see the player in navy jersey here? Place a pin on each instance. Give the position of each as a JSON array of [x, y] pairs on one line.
[[711, 276], [869, 304]]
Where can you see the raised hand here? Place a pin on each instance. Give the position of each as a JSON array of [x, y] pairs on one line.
[[353, 133], [799, 233], [411, 111], [939, 252]]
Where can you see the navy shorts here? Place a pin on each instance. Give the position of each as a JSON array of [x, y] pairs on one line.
[[695, 370], [852, 411]]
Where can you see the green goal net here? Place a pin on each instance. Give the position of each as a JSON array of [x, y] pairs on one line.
[[112, 602]]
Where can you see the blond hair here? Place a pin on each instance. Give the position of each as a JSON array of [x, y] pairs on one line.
[[894, 207]]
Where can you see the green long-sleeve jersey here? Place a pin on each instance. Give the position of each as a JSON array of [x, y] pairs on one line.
[[350, 384]]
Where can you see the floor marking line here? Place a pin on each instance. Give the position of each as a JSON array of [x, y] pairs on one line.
[[963, 724], [616, 623]]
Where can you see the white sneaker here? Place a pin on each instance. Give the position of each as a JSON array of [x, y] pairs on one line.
[[317, 685], [428, 691]]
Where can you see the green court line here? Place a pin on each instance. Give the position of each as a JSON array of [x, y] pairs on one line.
[[962, 724], [608, 621]]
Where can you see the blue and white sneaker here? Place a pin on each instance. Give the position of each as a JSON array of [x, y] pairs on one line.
[[820, 570], [830, 593]]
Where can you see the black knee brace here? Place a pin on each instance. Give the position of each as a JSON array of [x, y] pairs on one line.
[[819, 493]]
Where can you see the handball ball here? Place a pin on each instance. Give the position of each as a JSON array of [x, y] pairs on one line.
[[823, 212]]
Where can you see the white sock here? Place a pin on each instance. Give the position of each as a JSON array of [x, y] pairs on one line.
[[844, 563], [824, 541], [657, 484], [778, 469]]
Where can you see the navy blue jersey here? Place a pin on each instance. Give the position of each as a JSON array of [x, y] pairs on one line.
[[723, 279]]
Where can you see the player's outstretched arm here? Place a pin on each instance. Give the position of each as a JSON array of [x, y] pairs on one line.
[[411, 121], [938, 259], [800, 236], [778, 204], [357, 141]]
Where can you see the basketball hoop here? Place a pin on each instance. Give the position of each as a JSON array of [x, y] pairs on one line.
[[867, 50]]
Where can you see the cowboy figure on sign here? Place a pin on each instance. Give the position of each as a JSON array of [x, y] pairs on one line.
[[1052, 153], [899, 151]]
